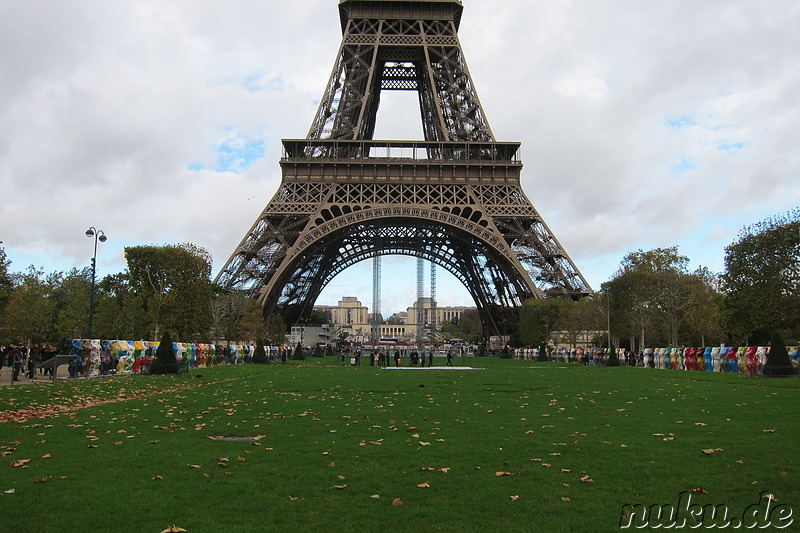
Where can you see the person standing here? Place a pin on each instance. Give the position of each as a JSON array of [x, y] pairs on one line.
[[430, 359], [449, 358], [17, 356]]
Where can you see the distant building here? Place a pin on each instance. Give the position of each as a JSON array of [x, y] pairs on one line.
[[352, 318]]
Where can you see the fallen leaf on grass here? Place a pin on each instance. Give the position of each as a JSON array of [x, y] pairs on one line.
[[21, 462], [294, 498], [340, 487], [565, 500], [376, 496], [709, 451], [158, 478], [740, 462], [425, 485], [515, 498], [397, 502], [194, 466], [499, 474], [768, 431], [447, 469], [46, 456], [41, 479], [587, 479], [174, 529], [699, 491]]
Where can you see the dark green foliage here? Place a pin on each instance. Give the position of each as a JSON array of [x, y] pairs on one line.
[[298, 354], [164, 362], [542, 355], [317, 351], [260, 355], [778, 364], [762, 280], [505, 353]]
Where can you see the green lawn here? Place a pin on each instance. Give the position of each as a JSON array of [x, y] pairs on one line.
[[573, 444]]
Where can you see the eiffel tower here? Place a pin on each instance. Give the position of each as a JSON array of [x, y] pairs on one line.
[[453, 199]]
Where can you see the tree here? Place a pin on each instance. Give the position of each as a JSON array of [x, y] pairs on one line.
[[29, 311], [173, 285], [538, 319], [164, 362], [761, 281], [648, 296], [69, 294], [276, 329]]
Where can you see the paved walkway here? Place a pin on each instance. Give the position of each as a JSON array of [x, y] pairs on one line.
[[6, 372]]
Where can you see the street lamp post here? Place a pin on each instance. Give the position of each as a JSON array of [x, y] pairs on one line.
[[98, 236]]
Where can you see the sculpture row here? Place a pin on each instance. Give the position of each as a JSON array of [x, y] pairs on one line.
[[745, 359], [120, 356]]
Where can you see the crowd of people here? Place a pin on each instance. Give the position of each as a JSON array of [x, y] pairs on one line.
[[24, 361]]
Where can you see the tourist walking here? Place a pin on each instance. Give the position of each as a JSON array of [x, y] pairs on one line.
[[449, 358]]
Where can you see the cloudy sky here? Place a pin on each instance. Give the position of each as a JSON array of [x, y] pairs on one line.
[[643, 123]]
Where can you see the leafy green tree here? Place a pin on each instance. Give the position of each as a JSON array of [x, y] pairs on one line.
[[647, 296], [119, 314], [173, 286], [276, 329], [762, 280], [6, 282], [539, 318], [29, 312], [702, 309], [69, 294]]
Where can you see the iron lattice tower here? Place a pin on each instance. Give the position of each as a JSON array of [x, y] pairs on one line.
[[453, 199]]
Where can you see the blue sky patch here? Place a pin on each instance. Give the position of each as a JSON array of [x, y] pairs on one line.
[[237, 154], [730, 147], [679, 122], [684, 165]]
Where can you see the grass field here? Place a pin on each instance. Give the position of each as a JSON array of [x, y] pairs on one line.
[[515, 446]]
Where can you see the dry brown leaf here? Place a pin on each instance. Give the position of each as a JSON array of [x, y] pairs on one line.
[[340, 487], [294, 498], [425, 485], [194, 466], [709, 451], [447, 469], [376, 496], [515, 497], [158, 478], [21, 462], [499, 474], [587, 479], [397, 502], [565, 500], [41, 479], [699, 491], [174, 529], [46, 456]]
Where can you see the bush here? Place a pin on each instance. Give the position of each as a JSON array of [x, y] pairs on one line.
[[164, 362], [778, 364], [542, 355], [260, 355], [298, 354]]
